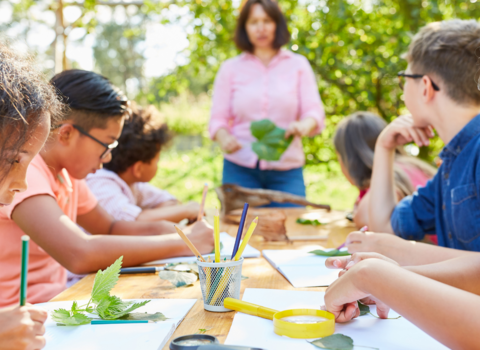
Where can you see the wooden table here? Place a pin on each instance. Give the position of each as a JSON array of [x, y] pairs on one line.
[[259, 272]]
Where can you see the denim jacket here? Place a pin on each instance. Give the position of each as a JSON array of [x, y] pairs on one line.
[[449, 204]]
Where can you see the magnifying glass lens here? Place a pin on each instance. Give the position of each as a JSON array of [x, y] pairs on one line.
[[304, 319]]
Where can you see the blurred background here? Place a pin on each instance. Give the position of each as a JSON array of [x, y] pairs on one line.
[[167, 53]]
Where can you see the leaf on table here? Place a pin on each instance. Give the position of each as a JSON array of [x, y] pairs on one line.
[[333, 252], [113, 307], [178, 279], [315, 222], [140, 316], [106, 280], [271, 142], [245, 277], [364, 309], [203, 330], [66, 318], [334, 342]]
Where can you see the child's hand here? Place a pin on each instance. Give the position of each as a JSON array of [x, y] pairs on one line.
[[227, 142], [301, 128], [22, 328], [202, 236], [191, 210], [347, 262], [372, 242], [402, 131]]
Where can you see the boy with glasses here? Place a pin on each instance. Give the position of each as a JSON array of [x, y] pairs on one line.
[[57, 199], [441, 92]]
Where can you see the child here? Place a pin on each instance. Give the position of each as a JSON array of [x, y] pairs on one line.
[[122, 188], [27, 102], [57, 198], [441, 93], [354, 142], [421, 294]]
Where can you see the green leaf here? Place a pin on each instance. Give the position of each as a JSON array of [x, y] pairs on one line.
[[315, 222], [271, 142], [105, 281], [113, 307], [333, 252], [66, 318], [156, 317], [364, 309], [178, 279], [334, 342]]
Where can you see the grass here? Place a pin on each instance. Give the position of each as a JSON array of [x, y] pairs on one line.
[[194, 160]]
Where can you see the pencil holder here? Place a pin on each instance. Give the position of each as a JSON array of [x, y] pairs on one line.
[[219, 281]]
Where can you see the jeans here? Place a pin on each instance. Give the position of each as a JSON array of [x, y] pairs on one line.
[[290, 181]]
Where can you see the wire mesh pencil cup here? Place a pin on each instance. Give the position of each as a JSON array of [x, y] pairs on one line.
[[219, 281]]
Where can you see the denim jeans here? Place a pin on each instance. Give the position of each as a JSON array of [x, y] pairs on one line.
[[290, 181]]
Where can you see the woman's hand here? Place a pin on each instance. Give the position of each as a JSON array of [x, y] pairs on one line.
[[227, 142], [301, 128], [21, 328], [402, 131]]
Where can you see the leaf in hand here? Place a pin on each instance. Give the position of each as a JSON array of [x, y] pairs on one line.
[[334, 342], [315, 222], [66, 318], [364, 309], [156, 317], [333, 252], [271, 142], [105, 281], [178, 279]]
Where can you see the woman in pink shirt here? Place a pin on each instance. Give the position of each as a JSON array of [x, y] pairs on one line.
[[264, 82]]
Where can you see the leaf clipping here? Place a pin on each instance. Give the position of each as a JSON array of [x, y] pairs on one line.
[[141, 316], [106, 280], [315, 222], [364, 309], [178, 279], [68, 318], [271, 142], [333, 252], [334, 342]]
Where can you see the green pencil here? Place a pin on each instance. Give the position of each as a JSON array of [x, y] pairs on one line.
[[117, 321], [24, 272]]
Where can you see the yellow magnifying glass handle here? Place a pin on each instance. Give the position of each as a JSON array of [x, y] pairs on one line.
[[249, 308]]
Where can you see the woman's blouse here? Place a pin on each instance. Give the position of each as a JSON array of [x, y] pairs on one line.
[[246, 90]]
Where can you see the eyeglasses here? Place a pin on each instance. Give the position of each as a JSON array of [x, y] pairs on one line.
[[109, 147], [401, 75]]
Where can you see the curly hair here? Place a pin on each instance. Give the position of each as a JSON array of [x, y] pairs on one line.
[[143, 136], [26, 99]]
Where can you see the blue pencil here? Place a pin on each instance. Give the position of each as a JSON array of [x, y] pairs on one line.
[[240, 230]]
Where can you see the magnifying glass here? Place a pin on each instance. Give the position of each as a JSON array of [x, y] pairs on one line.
[[296, 323]]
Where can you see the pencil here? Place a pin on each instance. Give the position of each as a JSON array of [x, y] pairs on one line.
[[24, 272], [189, 244], [240, 230], [216, 230], [94, 322], [363, 229], [245, 240], [202, 205]]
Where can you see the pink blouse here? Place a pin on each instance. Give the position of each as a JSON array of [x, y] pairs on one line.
[[246, 91]]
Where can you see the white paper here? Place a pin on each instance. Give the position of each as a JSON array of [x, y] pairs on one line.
[[228, 243], [150, 336], [301, 268], [366, 330]]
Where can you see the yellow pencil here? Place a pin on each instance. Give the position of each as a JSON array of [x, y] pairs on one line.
[[216, 231], [245, 240], [189, 244]]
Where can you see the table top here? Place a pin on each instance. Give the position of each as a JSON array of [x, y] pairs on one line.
[[259, 272]]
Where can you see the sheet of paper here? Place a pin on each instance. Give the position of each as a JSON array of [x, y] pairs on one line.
[[301, 268], [228, 243], [151, 336], [366, 330]]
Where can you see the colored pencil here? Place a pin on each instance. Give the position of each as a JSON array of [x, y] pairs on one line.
[[97, 322], [202, 205], [24, 272], [189, 244], [245, 240], [240, 230], [216, 231], [144, 269], [363, 229]]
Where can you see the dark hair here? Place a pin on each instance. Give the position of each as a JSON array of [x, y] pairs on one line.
[[26, 99], [355, 139], [143, 136], [92, 98], [282, 35]]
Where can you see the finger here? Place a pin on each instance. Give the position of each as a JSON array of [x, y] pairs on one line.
[[368, 301], [38, 343], [355, 237], [430, 131], [337, 262], [348, 313], [38, 328], [38, 315], [423, 133], [418, 138], [341, 273], [350, 265], [382, 310]]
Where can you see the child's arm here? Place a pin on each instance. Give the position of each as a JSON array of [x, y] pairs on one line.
[[42, 219], [406, 253], [421, 300], [382, 189], [172, 213]]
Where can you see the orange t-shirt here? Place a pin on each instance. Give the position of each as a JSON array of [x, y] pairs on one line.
[[46, 277]]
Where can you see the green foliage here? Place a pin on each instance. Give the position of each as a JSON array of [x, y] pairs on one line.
[[70, 318], [303, 221], [364, 309], [143, 316], [271, 142], [334, 342], [105, 281], [333, 252]]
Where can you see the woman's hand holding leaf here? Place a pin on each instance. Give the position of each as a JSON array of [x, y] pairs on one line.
[[301, 128]]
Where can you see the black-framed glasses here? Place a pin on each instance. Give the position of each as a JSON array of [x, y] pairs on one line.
[[109, 147], [402, 75]]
